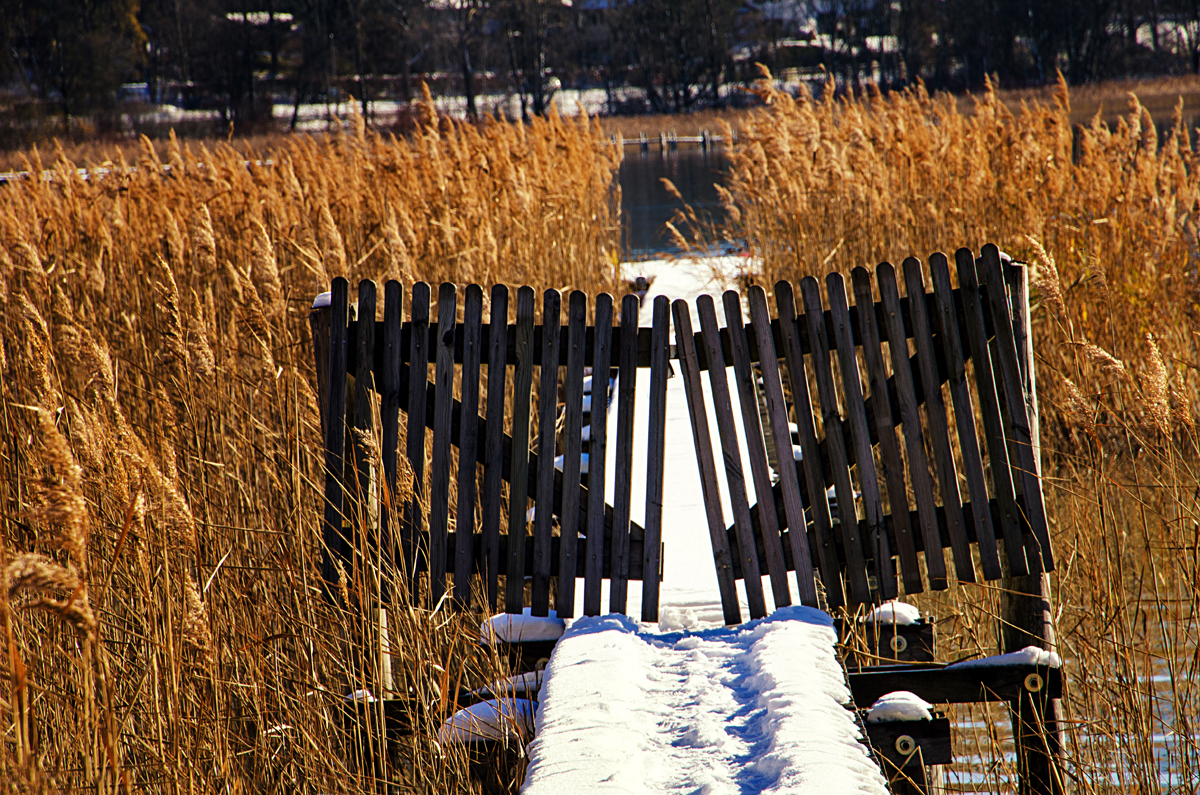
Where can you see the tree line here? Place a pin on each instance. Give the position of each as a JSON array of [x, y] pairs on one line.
[[240, 58]]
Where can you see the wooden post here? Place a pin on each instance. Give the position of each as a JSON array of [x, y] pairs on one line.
[[1027, 620]]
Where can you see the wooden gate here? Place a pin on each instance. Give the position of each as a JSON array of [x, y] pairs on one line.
[[490, 366], [847, 434]]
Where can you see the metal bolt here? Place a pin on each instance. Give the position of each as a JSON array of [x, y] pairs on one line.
[[906, 745]]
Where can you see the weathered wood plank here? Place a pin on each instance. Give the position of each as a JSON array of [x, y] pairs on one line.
[[1018, 409], [698, 413], [946, 320], [389, 416], [656, 436], [518, 494], [914, 442], [334, 548], [569, 520], [989, 409], [889, 447], [760, 319], [364, 420], [943, 685], [626, 384], [468, 442], [935, 414], [856, 418], [731, 455], [814, 476], [597, 453], [856, 572], [418, 380], [755, 445], [493, 454], [543, 521], [439, 477]]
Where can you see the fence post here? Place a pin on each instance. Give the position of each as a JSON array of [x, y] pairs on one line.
[[1026, 616]]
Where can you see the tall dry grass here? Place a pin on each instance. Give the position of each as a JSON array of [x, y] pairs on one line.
[[1107, 219], [163, 625]]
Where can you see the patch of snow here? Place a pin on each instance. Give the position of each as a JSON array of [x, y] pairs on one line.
[[587, 402], [899, 705], [583, 462], [513, 628], [587, 385], [755, 708], [1030, 655], [322, 301], [360, 696], [489, 720], [797, 452], [894, 612], [586, 433], [675, 619]]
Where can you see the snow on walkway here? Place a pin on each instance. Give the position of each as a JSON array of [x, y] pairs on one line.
[[633, 708], [757, 708]]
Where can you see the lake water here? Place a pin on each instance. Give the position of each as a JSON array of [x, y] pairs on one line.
[[645, 203]]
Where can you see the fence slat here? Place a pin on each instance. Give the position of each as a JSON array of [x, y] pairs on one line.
[[656, 435], [1018, 408], [698, 413], [856, 571], [914, 444], [364, 421], [626, 385], [760, 320], [935, 414], [547, 422], [946, 322], [572, 452], [418, 379], [439, 478], [464, 553], [731, 454], [989, 408], [814, 478], [597, 453], [856, 418], [493, 463], [889, 448], [518, 499], [389, 415], [756, 448], [334, 547]]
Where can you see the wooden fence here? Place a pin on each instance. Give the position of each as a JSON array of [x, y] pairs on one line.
[[389, 364], [848, 437]]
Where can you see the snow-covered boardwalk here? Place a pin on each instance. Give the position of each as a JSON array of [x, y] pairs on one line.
[[690, 706]]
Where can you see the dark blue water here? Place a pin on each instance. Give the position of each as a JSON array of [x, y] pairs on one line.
[[645, 203]]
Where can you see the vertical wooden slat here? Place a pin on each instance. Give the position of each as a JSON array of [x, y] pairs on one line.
[[572, 453], [656, 435], [468, 444], [698, 413], [760, 320], [889, 447], [756, 448], [989, 409], [1018, 408], [418, 378], [623, 482], [856, 418], [597, 454], [518, 494], [732, 455], [389, 415], [547, 422], [493, 466], [814, 478], [364, 422], [935, 413], [814, 316], [334, 548], [914, 443], [964, 416], [439, 479]]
